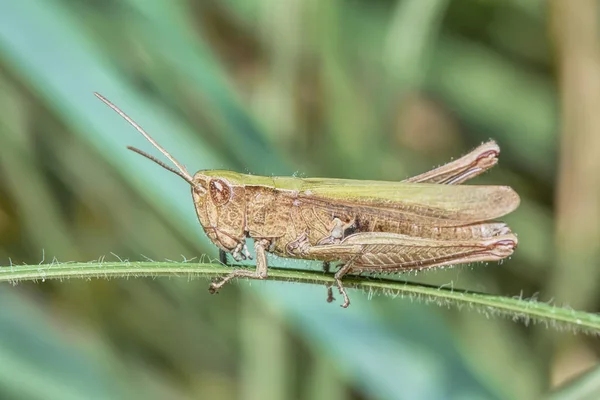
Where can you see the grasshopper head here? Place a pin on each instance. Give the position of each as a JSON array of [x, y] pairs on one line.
[[221, 207]]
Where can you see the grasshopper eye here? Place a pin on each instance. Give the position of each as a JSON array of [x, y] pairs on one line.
[[220, 191]]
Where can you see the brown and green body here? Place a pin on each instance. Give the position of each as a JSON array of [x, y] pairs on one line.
[[369, 226], [295, 214]]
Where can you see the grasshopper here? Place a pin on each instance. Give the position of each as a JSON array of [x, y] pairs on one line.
[[369, 226]]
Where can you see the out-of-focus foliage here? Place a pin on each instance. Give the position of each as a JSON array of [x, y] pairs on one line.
[[363, 89]]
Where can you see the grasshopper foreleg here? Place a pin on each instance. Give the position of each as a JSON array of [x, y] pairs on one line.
[[260, 247]]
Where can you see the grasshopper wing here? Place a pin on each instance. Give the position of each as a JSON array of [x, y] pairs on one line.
[[446, 205]]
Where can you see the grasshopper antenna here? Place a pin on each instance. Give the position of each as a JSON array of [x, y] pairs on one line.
[[180, 171], [162, 164]]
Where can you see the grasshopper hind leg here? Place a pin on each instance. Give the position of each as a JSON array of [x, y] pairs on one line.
[[383, 252]]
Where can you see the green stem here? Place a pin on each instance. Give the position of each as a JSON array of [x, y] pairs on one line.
[[516, 308]]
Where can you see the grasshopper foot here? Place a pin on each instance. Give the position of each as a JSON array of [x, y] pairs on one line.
[[218, 284], [214, 287], [344, 294]]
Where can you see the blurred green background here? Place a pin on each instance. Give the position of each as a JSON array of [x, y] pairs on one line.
[[367, 89]]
